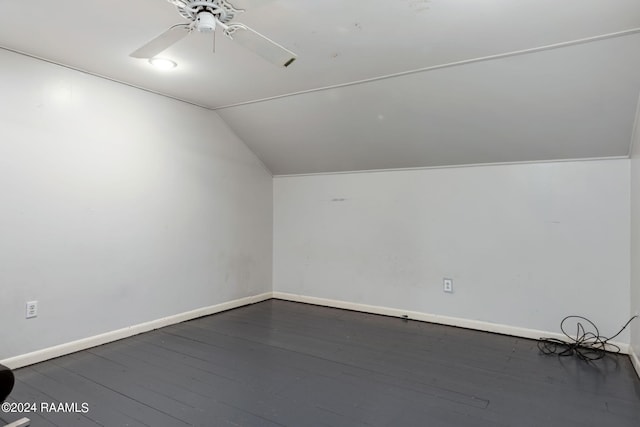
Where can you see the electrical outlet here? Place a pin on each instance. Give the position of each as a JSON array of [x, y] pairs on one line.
[[32, 309], [447, 285]]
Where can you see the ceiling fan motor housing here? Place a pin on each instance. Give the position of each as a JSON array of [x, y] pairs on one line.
[[221, 10], [206, 22]]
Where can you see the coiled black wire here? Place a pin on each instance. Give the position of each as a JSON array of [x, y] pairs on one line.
[[587, 344]]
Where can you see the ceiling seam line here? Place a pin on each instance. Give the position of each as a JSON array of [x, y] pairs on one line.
[[634, 130], [102, 76], [468, 165], [441, 66], [357, 82]]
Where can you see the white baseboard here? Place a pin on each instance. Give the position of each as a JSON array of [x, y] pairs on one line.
[[85, 343], [635, 360], [82, 344], [433, 318]]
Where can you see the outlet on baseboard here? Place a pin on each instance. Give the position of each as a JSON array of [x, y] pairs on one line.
[[31, 309], [447, 285]]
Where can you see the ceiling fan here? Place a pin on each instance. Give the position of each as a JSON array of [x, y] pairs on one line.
[[205, 16]]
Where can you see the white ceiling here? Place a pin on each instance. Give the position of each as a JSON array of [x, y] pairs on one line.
[[573, 101]]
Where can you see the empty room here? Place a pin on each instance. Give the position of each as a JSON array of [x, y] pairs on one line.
[[320, 213]]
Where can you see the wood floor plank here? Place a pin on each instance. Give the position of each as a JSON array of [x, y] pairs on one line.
[[27, 391], [200, 383], [155, 392], [102, 414]]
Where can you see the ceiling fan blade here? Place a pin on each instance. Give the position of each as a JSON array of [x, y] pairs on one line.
[[163, 41], [261, 45]]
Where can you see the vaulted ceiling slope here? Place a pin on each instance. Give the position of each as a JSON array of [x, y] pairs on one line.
[[378, 84]]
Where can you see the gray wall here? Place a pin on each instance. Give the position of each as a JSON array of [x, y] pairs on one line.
[[119, 207], [525, 244], [635, 242]]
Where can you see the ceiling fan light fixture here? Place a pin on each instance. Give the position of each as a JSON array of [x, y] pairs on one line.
[[206, 22], [163, 63]]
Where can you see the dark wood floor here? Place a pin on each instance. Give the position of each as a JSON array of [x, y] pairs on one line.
[[284, 363]]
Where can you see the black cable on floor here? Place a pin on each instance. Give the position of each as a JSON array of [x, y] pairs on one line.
[[587, 344]]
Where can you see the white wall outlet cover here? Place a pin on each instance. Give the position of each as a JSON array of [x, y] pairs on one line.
[[447, 285], [31, 309]]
